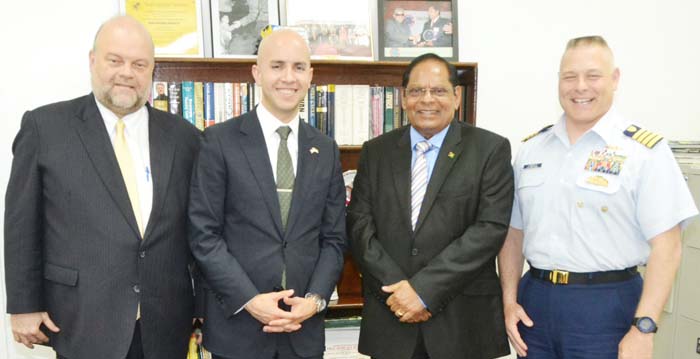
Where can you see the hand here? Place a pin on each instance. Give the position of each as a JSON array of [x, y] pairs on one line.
[[264, 307], [447, 28], [302, 309], [515, 313], [636, 345], [405, 303], [25, 328]]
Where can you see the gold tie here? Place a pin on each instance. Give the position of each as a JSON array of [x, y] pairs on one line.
[[126, 165]]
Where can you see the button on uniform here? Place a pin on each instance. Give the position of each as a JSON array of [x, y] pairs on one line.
[[414, 251], [142, 254], [136, 288]]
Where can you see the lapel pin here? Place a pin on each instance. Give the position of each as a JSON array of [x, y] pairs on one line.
[[451, 154], [313, 150]]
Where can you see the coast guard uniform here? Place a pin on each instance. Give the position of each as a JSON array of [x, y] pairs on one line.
[[587, 211]]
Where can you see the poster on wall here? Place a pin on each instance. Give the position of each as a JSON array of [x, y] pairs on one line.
[[336, 29], [236, 25], [409, 28], [175, 25]]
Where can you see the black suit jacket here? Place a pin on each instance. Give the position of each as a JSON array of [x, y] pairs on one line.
[[449, 259], [72, 246], [442, 38], [237, 238]]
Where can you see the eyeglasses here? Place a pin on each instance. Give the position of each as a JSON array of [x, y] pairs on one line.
[[418, 92]]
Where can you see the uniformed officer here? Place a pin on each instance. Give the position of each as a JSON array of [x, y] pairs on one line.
[[596, 196]]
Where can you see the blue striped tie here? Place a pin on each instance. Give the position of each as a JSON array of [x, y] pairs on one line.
[[419, 180]]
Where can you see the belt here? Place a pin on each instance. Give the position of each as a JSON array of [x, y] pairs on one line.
[[564, 277]]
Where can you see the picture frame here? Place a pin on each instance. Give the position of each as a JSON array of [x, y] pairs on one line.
[[175, 26], [410, 28], [343, 33], [236, 25]]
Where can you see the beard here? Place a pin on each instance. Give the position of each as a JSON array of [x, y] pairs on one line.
[[120, 101]]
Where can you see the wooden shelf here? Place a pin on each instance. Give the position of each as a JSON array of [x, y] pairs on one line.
[[379, 73]]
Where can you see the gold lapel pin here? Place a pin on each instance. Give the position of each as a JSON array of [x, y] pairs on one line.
[[313, 150], [451, 154]]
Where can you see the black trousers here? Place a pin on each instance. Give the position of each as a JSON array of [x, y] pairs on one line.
[[419, 352], [136, 348], [284, 350]]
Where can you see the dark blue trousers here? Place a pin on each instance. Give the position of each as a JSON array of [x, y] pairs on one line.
[[577, 321]]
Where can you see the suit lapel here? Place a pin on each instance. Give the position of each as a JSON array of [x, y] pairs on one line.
[[306, 169], [449, 153], [95, 139], [255, 150], [162, 149], [401, 171]]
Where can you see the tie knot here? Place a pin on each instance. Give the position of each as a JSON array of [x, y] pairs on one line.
[[284, 131], [120, 126], [423, 146]]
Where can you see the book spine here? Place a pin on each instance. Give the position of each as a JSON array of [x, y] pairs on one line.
[[174, 98], [188, 101], [330, 115], [388, 109], [209, 105], [312, 106], [245, 99], [199, 105]]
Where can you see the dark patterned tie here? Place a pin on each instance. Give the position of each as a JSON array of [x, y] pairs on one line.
[[285, 184], [285, 175]]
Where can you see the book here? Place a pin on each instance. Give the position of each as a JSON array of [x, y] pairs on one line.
[[174, 98], [199, 105], [188, 101], [160, 95], [209, 109], [388, 109]]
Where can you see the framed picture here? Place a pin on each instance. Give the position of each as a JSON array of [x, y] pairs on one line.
[[175, 26], [336, 29], [236, 25], [410, 28]]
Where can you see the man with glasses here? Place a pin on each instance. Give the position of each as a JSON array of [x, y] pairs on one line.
[[429, 212], [398, 30]]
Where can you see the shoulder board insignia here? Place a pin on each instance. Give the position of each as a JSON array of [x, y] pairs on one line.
[[646, 138], [545, 129]]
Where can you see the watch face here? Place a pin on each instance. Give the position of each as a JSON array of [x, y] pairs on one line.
[[646, 325]]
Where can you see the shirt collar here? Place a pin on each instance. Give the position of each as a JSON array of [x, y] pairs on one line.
[[269, 123], [435, 141], [132, 121], [606, 128]]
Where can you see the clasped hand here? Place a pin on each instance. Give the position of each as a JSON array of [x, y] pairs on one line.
[[405, 303], [264, 307]]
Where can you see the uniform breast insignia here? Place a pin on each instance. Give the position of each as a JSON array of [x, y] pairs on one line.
[[597, 181], [545, 129], [646, 138], [606, 161]]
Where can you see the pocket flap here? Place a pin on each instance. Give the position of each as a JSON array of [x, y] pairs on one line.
[[62, 275]]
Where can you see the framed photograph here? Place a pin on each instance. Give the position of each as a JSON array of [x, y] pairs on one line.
[[336, 29], [409, 28], [176, 25], [236, 25]]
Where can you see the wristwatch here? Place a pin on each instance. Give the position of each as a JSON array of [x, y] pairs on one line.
[[645, 325], [320, 302]]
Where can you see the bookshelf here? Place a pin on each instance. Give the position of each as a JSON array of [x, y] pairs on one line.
[[379, 73]]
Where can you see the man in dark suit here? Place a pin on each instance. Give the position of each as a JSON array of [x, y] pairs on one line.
[[96, 259], [267, 214], [437, 31], [429, 212]]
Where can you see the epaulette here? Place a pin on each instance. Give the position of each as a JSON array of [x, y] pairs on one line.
[[646, 138], [545, 129]]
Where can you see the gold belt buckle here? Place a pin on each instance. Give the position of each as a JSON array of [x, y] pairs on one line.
[[559, 277]]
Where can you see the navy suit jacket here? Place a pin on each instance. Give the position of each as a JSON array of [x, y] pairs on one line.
[[236, 232], [72, 245]]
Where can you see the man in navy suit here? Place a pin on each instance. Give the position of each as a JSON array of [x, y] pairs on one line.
[[267, 213]]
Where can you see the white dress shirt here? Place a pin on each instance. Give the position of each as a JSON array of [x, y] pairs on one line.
[[136, 133], [270, 124]]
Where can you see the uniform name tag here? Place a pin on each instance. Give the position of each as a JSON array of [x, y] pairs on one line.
[[532, 165]]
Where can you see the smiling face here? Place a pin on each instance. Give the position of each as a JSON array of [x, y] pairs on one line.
[[429, 99], [587, 82], [283, 71], [121, 65]]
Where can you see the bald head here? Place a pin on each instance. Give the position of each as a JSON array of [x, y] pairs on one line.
[[286, 39], [121, 65], [283, 71], [123, 23], [593, 41]]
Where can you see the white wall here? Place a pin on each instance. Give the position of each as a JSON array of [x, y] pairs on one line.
[[516, 43]]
